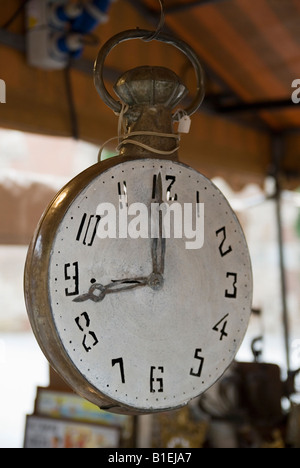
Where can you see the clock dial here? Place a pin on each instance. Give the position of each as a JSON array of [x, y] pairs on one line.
[[148, 323]]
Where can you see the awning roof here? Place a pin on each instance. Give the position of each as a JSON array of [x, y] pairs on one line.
[[249, 50]]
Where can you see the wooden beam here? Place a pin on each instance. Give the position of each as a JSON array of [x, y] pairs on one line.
[[177, 8], [256, 106]]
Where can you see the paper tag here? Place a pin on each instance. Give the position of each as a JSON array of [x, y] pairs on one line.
[[184, 124]]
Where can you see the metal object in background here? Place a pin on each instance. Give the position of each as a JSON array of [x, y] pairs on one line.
[[57, 30]]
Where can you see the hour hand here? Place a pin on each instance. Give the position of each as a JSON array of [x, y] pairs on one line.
[[97, 292]]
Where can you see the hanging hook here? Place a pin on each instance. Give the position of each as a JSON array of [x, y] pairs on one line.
[[160, 24], [142, 34]]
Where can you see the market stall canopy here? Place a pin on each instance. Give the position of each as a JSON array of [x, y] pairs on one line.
[[249, 50]]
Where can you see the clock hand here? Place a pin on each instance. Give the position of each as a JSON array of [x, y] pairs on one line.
[[97, 292], [158, 247]]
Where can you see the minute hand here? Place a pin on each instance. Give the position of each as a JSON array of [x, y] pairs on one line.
[[158, 246]]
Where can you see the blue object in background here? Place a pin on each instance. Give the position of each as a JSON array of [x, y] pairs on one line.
[[94, 13], [71, 22], [63, 14], [70, 44]]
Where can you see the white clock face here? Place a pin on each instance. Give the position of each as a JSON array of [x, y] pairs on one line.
[[150, 348]]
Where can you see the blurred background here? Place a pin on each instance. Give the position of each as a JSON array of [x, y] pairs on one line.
[[246, 137]]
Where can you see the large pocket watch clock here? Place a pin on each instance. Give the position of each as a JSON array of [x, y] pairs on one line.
[[135, 316]]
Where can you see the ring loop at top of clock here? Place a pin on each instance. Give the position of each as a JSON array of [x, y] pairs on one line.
[[142, 34]]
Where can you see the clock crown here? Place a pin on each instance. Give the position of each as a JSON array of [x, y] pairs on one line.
[[150, 95], [150, 86]]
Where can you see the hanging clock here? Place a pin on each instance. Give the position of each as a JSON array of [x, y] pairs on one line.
[[135, 316]]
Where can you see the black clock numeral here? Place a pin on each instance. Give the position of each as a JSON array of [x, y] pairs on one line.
[[173, 180], [88, 229], [232, 294], [222, 248], [198, 356], [154, 187], [72, 276], [121, 364], [169, 196], [198, 203], [89, 339], [223, 329], [156, 380]]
